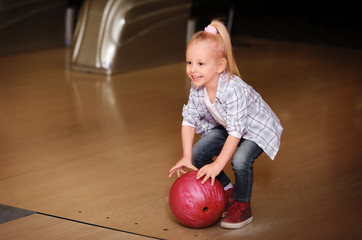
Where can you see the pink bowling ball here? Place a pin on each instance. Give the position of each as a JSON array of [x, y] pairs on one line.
[[194, 204]]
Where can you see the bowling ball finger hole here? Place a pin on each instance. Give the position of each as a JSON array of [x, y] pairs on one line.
[[205, 209]]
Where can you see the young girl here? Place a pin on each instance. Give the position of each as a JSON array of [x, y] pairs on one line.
[[233, 120]]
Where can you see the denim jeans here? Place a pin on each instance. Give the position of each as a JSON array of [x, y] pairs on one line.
[[211, 144]]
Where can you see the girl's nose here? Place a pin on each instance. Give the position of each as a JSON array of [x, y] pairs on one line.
[[192, 67]]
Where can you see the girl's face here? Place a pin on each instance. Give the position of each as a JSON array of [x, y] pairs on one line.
[[203, 63]]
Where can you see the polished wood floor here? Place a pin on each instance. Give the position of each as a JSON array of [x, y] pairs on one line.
[[91, 151]]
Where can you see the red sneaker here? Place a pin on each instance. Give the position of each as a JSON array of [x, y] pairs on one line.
[[237, 215], [229, 196]]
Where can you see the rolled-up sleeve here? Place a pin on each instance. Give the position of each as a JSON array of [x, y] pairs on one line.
[[188, 120]]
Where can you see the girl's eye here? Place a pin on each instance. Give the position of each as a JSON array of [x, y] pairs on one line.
[[201, 64], [188, 63]]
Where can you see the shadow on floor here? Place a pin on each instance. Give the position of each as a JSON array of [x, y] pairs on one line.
[[8, 213]]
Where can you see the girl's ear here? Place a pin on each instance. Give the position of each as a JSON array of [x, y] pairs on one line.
[[221, 65]]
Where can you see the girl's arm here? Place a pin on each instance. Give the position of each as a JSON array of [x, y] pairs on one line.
[[213, 169], [187, 134]]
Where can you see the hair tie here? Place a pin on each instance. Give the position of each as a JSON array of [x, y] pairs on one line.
[[211, 29]]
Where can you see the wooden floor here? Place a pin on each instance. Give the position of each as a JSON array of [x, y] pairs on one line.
[[44, 227], [90, 153]]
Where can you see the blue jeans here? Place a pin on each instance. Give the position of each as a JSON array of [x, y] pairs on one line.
[[211, 144]]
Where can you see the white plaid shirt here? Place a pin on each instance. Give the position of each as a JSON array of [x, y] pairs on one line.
[[243, 109]]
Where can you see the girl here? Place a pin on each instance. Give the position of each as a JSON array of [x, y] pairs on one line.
[[233, 120]]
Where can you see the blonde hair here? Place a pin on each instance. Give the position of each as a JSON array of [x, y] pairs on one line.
[[222, 38]]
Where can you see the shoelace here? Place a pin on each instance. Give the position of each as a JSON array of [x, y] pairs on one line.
[[235, 208]]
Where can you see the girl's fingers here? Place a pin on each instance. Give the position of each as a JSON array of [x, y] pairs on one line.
[[205, 179], [193, 167], [200, 174], [212, 181], [179, 170], [172, 169]]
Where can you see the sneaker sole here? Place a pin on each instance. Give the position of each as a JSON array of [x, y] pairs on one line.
[[236, 225]]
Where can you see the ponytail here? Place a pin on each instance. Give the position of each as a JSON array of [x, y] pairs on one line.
[[231, 67]]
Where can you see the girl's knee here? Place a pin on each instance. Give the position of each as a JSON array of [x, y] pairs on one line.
[[241, 164], [246, 154]]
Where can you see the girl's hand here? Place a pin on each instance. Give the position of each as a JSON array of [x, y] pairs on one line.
[[209, 171], [213, 169], [183, 162]]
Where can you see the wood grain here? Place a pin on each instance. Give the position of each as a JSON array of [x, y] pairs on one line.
[[97, 149]]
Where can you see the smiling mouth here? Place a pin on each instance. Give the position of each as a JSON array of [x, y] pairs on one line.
[[196, 77]]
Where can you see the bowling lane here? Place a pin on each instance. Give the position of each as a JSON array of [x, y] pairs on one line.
[[87, 147], [38, 226], [97, 149]]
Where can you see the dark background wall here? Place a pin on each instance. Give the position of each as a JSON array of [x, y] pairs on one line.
[[28, 25], [31, 25], [337, 23]]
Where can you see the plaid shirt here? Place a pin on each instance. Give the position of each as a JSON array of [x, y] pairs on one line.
[[243, 109]]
